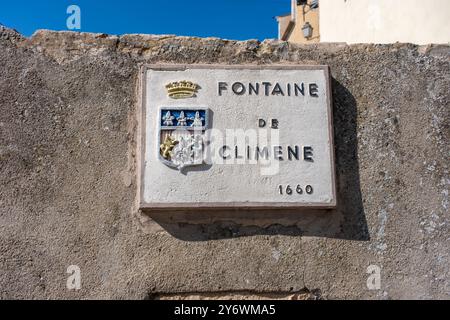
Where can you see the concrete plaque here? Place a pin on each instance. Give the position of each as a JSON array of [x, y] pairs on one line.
[[236, 137]]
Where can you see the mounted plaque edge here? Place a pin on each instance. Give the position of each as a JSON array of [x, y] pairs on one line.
[[141, 142]]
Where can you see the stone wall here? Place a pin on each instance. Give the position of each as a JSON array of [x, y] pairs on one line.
[[68, 106]]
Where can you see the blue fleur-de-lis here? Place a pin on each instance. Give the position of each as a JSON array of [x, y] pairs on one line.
[[197, 121], [168, 119], [182, 120]]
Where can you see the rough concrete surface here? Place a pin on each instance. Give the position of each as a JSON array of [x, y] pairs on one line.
[[68, 129]]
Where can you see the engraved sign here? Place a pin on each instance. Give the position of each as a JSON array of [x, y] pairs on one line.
[[236, 137]]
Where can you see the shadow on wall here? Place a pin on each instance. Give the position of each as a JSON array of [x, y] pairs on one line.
[[346, 222]]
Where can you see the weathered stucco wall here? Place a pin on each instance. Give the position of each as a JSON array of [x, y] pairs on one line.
[[68, 180]]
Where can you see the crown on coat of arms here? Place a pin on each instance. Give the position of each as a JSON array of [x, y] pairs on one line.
[[181, 89]]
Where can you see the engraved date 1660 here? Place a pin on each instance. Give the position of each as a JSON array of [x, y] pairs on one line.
[[289, 190]]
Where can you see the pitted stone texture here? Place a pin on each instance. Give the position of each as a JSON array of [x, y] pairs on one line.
[[68, 177]]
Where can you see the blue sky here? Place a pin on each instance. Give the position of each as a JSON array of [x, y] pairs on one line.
[[229, 19]]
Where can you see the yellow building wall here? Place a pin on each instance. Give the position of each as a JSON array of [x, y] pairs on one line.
[[303, 15], [283, 23]]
